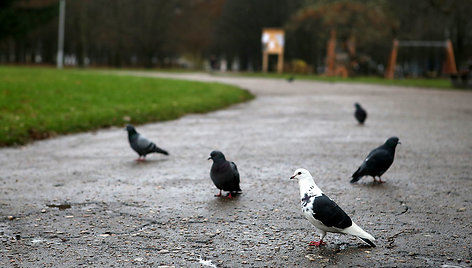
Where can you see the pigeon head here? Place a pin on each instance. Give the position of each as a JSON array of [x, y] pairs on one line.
[[305, 182], [130, 129], [217, 156], [392, 142], [358, 106], [301, 174]]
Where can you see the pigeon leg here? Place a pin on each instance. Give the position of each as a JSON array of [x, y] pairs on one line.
[[317, 244], [229, 195], [380, 180], [375, 180], [141, 158], [218, 195]]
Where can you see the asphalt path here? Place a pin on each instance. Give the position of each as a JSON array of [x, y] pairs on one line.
[[82, 200]]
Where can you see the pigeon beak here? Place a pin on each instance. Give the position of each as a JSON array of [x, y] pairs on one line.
[[209, 158], [399, 142], [293, 177]]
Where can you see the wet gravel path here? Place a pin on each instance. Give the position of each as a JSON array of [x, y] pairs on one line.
[[117, 212]]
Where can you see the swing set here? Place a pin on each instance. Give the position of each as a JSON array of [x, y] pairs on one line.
[[449, 66]]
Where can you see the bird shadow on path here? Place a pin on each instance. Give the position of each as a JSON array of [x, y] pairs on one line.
[[145, 163], [335, 250], [224, 202], [374, 185], [149, 161]]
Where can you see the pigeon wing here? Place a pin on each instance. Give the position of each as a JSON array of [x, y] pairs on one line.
[[144, 144], [234, 168], [380, 148], [360, 115], [377, 162], [329, 213]]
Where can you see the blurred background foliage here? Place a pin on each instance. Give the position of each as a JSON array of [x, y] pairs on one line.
[[189, 33]]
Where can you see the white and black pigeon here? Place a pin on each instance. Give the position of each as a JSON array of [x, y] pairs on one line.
[[141, 144], [224, 174], [378, 161], [360, 114], [323, 212]]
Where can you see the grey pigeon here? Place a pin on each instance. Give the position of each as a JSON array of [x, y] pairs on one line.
[[224, 174], [323, 212], [141, 144], [360, 114], [378, 161], [291, 79]]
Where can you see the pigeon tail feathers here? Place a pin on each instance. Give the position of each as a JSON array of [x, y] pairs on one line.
[[368, 242], [159, 150], [356, 176], [355, 230]]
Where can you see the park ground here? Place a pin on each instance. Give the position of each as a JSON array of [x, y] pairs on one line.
[[82, 200]]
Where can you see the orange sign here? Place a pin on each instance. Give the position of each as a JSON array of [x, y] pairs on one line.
[[273, 40]]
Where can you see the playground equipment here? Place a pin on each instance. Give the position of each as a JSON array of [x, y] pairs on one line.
[[272, 43], [343, 63], [338, 64], [448, 68], [463, 79]]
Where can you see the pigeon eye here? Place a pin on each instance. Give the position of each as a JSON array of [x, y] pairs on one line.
[[299, 173]]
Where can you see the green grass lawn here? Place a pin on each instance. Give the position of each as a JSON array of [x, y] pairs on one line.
[[37, 103], [443, 83]]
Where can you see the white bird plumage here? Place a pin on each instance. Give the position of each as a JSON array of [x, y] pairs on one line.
[[323, 212]]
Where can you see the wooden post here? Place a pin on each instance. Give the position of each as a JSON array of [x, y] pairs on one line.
[[265, 61], [280, 63], [390, 72], [351, 45], [330, 54], [451, 61]]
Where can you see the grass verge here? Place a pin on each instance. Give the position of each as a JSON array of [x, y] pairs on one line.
[[37, 103], [443, 83]]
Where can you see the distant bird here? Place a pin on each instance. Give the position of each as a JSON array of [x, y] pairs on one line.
[[378, 161], [360, 114], [323, 212], [224, 174], [291, 79], [141, 144]]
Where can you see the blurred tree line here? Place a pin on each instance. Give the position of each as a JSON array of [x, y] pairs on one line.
[[166, 33]]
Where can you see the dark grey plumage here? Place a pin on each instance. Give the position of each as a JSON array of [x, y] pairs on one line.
[[291, 79], [224, 174], [141, 144], [360, 114], [378, 161]]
